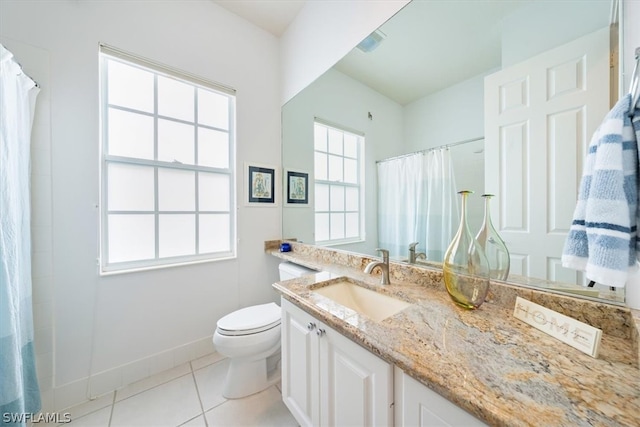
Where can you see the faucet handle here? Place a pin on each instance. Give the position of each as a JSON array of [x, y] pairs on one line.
[[413, 245], [384, 253]]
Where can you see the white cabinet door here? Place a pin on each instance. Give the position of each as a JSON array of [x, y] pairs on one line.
[[417, 405], [327, 379], [356, 387], [300, 388], [539, 117]]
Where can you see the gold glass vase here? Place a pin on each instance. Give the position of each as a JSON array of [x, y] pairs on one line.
[[494, 247], [465, 267]]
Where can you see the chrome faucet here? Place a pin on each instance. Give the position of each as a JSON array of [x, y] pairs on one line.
[[384, 266], [413, 256]]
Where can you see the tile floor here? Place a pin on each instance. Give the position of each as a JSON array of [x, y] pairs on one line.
[[189, 395]]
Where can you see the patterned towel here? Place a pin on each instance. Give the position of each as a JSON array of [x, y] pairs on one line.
[[603, 239]]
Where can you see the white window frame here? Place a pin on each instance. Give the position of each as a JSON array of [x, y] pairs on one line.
[[108, 53], [360, 185]]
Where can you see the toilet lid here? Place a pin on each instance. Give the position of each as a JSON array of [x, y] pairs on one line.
[[250, 320]]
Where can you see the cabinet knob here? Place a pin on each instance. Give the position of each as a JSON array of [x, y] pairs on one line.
[[320, 332], [311, 326]]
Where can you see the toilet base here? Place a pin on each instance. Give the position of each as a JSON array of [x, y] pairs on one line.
[[246, 376]]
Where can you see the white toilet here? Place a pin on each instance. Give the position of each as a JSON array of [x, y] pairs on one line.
[[250, 338]]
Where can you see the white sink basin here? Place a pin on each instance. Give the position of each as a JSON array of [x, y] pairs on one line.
[[372, 304]]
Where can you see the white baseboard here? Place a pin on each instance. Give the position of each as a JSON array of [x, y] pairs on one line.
[[100, 383]]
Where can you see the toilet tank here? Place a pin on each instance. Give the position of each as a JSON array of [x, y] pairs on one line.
[[289, 270]]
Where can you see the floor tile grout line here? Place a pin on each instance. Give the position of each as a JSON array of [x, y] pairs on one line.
[[113, 405], [70, 408], [225, 400], [145, 390], [192, 371], [189, 420], [193, 375], [155, 386]]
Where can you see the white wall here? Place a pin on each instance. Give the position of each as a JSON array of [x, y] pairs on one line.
[[130, 325], [341, 100], [454, 114], [324, 32], [523, 39]]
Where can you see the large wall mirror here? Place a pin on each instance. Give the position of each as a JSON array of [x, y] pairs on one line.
[[494, 96]]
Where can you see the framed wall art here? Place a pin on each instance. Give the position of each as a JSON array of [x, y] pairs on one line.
[[297, 188], [260, 185]]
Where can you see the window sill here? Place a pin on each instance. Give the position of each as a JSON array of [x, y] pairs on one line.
[[340, 243], [163, 266]]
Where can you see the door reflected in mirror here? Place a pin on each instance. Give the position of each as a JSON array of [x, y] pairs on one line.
[[496, 97]]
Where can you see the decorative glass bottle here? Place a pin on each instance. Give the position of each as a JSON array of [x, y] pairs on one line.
[[465, 267], [493, 245]]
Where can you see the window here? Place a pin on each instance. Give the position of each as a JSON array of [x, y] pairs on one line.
[[167, 166], [338, 184]]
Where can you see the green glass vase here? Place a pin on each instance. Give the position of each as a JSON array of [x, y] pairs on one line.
[[465, 266]]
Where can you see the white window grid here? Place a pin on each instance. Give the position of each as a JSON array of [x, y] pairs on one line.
[[112, 54], [358, 185]]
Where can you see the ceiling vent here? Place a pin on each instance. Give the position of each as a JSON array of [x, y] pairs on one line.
[[372, 41]]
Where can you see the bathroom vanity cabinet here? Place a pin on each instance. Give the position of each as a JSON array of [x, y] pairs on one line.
[[419, 406], [328, 379], [450, 366]]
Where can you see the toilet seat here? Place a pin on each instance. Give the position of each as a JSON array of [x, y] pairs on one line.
[[250, 320]]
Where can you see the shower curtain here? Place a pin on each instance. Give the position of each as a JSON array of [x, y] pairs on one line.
[[417, 202], [442, 214], [400, 203], [19, 392]]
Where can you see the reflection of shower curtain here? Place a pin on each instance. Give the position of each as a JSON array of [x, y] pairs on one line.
[[441, 204], [400, 192], [19, 393], [417, 202]]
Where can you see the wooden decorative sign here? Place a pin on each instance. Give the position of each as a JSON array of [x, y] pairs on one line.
[[577, 334]]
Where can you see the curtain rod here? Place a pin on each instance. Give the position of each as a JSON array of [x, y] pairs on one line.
[[426, 150], [13, 58]]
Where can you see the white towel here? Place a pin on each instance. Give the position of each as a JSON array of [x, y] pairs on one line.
[[603, 240]]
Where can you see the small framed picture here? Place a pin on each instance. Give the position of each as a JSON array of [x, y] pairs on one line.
[[297, 188], [260, 185]]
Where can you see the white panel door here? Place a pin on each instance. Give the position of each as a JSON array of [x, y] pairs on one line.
[[540, 115], [356, 387], [300, 365]]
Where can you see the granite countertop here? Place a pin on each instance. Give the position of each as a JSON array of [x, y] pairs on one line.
[[498, 368]]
